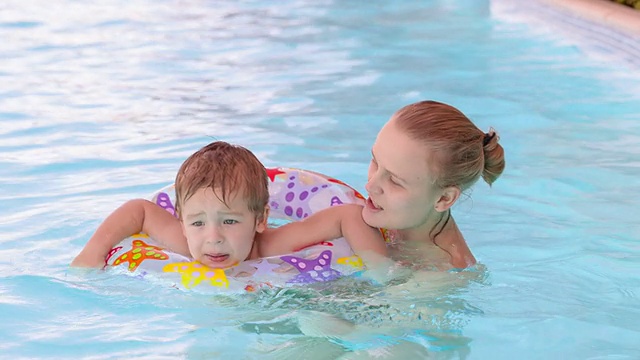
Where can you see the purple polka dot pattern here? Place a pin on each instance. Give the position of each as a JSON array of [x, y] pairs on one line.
[[290, 195], [336, 201], [295, 200], [288, 210], [316, 270], [164, 201]]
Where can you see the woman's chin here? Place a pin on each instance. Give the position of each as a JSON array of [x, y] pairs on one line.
[[372, 219]]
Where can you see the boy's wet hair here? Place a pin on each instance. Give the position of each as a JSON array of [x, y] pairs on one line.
[[229, 169]]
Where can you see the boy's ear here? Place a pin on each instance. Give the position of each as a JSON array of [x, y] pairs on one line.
[[261, 221], [448, 197]]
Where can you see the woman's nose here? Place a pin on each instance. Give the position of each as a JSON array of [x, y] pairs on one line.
[[372, 186]]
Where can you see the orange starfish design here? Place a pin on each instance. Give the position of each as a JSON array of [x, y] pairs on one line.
[[140, 252]]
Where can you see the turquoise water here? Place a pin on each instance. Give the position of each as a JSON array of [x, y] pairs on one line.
[[100, 103]]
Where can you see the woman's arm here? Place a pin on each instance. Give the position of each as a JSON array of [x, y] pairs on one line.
[[134, 216], [455, 245], [337, 221]]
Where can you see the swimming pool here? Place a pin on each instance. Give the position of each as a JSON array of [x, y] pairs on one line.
[[100, 103]]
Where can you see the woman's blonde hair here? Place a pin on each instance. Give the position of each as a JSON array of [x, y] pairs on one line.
[[462, 152], [227, 168]]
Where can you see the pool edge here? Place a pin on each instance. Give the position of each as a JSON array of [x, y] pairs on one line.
[[619, 17]]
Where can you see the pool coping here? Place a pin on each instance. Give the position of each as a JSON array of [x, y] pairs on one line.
[[615, 16]]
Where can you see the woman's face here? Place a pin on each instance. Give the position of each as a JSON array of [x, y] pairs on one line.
[[402, 190]]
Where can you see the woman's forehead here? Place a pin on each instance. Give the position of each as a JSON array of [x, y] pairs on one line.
[[401, 155]]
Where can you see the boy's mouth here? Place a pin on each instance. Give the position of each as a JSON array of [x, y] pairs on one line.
[[217, 258]]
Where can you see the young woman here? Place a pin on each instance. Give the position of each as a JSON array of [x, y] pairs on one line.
[[424, 157]]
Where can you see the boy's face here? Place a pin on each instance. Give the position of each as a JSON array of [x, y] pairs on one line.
[[219, 236]]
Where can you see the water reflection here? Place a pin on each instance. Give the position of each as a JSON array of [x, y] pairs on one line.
[[101, 102], [425, 311]]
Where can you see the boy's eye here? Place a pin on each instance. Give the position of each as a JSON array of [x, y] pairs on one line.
[[197, 223], [394, 181], [229, 222]]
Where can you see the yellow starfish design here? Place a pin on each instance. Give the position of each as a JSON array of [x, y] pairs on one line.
[[140, 251], [193, 273], [354, 261]]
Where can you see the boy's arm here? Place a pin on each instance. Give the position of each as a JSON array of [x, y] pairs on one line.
[[132, 217], [337, 221]]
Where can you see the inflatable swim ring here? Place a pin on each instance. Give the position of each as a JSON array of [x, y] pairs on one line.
[[294, 194]]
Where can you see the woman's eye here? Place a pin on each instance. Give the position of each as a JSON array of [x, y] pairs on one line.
[[394, 181], [229, 222]]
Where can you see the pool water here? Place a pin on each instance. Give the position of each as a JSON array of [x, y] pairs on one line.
[[101, 102]]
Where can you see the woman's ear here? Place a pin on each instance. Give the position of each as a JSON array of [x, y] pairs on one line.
[[261, 221], [448, 197]]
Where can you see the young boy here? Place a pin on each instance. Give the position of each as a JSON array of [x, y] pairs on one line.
[[221, 202]]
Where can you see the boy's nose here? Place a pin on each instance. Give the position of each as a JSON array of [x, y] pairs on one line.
[[215, 236]]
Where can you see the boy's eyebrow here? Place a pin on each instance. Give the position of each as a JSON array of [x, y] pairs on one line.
[[192, 215], [237, 213], [387, 170], [199, 213]]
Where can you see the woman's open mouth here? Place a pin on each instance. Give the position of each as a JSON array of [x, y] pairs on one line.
[[372, 206]]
